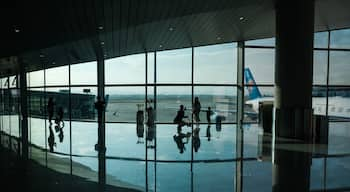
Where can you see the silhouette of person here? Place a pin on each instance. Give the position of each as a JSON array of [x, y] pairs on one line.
[[51, 138], [59, 119], [60, 135], [218, 123], [179, 119], [209, 113], [50, 106], [139, 125], [208, 135], [196, 108], [179, 140], [196, 139], [150, 127]]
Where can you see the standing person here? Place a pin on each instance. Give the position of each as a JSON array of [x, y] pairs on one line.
[[196, 108], [209, 113], [179, 119], [50, 105]]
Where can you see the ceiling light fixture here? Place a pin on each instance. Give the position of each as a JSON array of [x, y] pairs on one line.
[[102, 42], [17, 30], [41, 55], [160, 46], [171, 29], [100, 27], [241, 18]]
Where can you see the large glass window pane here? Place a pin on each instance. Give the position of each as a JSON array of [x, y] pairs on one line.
[[223, 177], [13, 82], [86, 167], [257, 176], [127, 174], [83, 103], [150, 68], [125, 70], [319, 96], [84, 138], [174, 66], [220, 99], [261, 63], [173, 144], [320, 68], [57, 76], [123, 103], [14, 111], [340, 38], [84, 73], [253, 95], [317, 174], [338, 103], [35, 78], [339, 138], [173, 177], [321, 40], [214, 143], [215, 64], [169, 100], [58, 127], [262, 42], [338, 172], [120, 135], [339, 68]]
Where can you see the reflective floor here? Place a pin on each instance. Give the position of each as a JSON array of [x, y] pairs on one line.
[[166, 162]]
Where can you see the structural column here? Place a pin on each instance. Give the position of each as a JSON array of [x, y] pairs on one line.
[[100, 107], [23, 111], [293, 95], [240, 117]]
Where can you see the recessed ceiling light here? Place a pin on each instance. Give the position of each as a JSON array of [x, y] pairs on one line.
[[100, 27], [241, 18], [17, 30], [171, 29], [102, 42]]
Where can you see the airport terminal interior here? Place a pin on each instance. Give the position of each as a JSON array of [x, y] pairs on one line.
[[185, 95]]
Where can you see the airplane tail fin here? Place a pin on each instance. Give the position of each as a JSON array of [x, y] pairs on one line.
[[252, 88]]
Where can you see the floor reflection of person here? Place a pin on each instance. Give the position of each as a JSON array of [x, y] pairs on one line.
[[51, 139], [61, 135], [196, 139], [179, 140], [208, 134], [139, 125], [150, 127]]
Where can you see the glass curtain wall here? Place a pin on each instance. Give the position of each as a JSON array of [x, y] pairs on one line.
[[148, 145], [62, 123]]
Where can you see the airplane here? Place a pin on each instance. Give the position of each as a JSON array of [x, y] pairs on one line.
[[338, 106]]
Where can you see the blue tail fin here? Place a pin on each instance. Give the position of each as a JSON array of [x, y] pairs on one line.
[[252, 89]]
